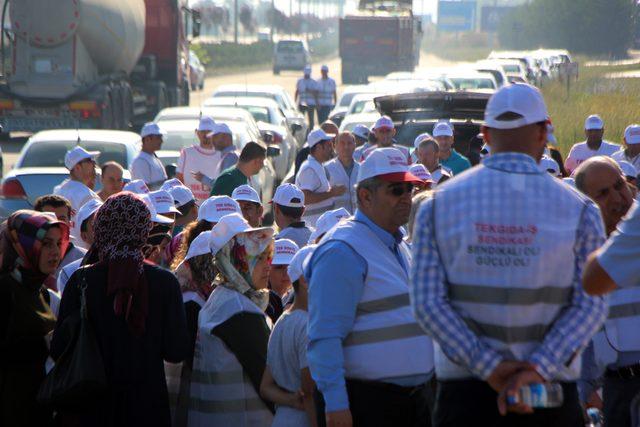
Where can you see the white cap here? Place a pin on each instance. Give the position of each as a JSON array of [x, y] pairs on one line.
[[84, 212], [151, 128], [155, 217], [522, 99], [442, 129], [361, 131], [547, 164], [137, 186], [227, 228], [419, 171], [383, 122], [389, 163], [299, 262], [327, 221], [632, 134], [628, 169], [285, 195], [216, 207], [78, 154], [283, 252], [307, 70], [324, 67], [206, 124], [420, 138], [163, 201], [170, 183], [551, 139], [246, 193], [594, 122], [317, 136], [181, 195], [219, 128]]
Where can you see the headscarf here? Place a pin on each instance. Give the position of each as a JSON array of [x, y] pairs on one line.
[[121, 230], [237, 260], [197, 275], [25, 231]]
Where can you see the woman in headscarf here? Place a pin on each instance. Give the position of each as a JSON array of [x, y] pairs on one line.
[[233, 331], [32, 245], [136, 312]]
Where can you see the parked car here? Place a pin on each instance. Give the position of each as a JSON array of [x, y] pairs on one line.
[[472, 80], [40, 166], [291, 55], [337, 114], [488, 66], [196, 72], [362, 103], [295, 119], [351, 121], [270, 120]]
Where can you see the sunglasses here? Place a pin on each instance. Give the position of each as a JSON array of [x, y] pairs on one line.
[[399, 190]]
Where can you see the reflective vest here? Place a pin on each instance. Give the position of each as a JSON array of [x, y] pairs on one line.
[[620, 331], [221, 392], [313, 210], [385, 341], [326, 88], [508, 259], [338, 176]]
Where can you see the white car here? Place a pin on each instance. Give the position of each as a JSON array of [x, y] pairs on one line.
[[295, 119], [291, 55], [493, 68], [196, 72], [472, 80], [367, 119], [337, 114], [362, 103]]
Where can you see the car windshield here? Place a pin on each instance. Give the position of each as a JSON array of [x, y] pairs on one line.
[[260, 114], [472, 83], [345, 101], [290, 46], [511, 68], [364, 106], [51, 153]]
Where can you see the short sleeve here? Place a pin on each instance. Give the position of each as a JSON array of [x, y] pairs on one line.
[[181, 161], [138, 170], [308, 180], [620, 255]]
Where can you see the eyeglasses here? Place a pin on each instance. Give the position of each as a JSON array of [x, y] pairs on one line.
[[399, 190]]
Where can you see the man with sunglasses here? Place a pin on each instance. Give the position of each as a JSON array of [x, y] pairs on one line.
[[368, 356], [385, 131], [496, 279], [78, 188]]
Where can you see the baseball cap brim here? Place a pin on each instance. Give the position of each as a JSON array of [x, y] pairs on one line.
[[400, 177], [161, 219]]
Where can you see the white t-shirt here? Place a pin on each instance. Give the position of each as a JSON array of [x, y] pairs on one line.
[[198, 159], [581, 152], [76, 192], [621, 156], [306, 89], [148, 168], [326, 89]]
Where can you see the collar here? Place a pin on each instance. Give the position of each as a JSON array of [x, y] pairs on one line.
[[512, 163], [387, 238], [297, 224], [313, 159], [144, 153]]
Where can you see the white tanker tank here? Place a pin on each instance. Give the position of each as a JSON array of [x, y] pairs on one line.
[[73, 43]]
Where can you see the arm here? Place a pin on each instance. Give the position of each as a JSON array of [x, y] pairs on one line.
[[175, 335], [595, 280], [311, 197], [308, 386], [309, 183], [272, 392], [434, 313], [336, 280], [584, 315]]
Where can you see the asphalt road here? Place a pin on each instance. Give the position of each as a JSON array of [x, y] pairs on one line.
[[287, 79]]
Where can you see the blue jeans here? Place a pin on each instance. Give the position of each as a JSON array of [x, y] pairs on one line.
[[323, 113]]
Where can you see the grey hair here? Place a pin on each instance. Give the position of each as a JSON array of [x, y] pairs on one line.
[[430, 142], [370, 184], [580, 174]]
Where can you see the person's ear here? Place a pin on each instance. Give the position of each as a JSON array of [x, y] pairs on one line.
[[486, 135]]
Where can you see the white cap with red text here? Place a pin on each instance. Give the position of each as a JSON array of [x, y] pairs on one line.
[[78, 154], [514, 106], [419, 171], [216, 207], [246, 193], [594, 122], [442, 129], [137, 186], [181, 195], [388, 164], [289, 195], [327, 221], [170, 183], [383, 122], [155, 216], [632, 134], [299, 262], [284, 251], [163, 201]]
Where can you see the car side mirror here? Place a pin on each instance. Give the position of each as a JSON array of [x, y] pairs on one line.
[[196, 22], [295, 128], [171, 170], [273, 151], [267, 137]]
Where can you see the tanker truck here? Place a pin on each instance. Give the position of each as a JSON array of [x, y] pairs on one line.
[[101, 64]]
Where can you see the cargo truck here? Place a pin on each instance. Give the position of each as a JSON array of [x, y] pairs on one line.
[[106, 64], [378, 40]]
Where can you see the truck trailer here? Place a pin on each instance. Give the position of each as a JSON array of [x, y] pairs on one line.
[[102, 64]]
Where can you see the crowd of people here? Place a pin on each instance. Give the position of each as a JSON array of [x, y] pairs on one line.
[[396, 287]]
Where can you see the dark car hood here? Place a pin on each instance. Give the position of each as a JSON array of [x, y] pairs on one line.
[[433, 106]]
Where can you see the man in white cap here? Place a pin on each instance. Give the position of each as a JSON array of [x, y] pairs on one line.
[[202, 158], [497, 280], [385, 130], [368, 356], [326, 222], [593, 146], [361, 134], [250, 204], [428, 154], [631, 151], [343, 170], [327, 95], [312, 178], [78, 188], [449, 157], [306, 95], [288, 208], [147, 166], [222, 138]]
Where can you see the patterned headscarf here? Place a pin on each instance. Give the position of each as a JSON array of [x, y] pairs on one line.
[[26, 229], [121, 229]]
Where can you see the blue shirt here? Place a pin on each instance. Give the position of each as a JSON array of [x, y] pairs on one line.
[[336, 275], [456, 162]]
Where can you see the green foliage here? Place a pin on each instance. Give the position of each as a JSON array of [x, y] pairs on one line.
[[595, 27], [201, 53], [457, 47]]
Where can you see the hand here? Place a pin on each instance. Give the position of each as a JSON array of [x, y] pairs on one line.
[[505, 369], [197, 175], [296, 400], [339, 418], [338, 190], [514, 384], [594, 401]]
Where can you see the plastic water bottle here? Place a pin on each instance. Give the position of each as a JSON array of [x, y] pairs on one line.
[[547, 395]]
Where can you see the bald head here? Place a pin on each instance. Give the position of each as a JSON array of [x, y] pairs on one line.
[[602, 180]]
